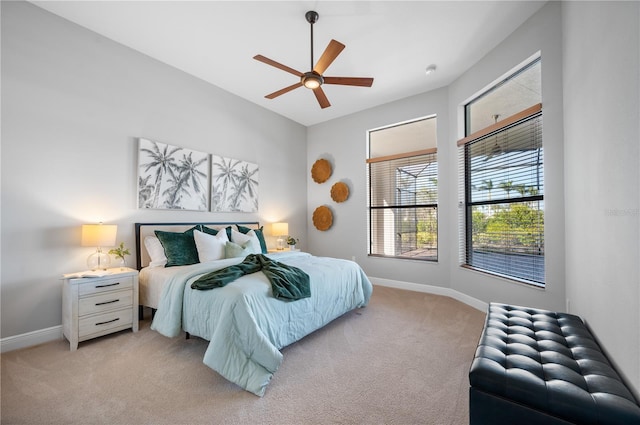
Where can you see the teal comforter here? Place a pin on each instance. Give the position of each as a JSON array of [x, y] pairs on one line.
[[246, 326]]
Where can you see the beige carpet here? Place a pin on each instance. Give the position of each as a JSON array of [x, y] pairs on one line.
[[404, 359]]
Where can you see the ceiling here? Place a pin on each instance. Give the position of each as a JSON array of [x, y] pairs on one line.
[[392, 41]]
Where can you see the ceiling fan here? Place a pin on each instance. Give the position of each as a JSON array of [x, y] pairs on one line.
[[314, 79]]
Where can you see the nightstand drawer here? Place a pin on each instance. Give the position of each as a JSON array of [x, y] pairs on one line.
[[103, 285], [104, 323], [107, 301]]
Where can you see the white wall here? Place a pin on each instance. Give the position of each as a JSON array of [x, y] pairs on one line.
[[344, 143], [73, 104], [601, 51], [541, 33]]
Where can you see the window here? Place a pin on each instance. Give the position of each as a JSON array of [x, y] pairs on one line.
[[502, 175], [403, 191]]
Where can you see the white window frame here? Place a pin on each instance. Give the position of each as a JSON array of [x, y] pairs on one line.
[[533, 275]]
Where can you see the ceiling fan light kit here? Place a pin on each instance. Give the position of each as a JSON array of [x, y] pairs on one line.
[[311, 80], [314, 79]]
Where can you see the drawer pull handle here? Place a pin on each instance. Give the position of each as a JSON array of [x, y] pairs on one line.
[[106, 286], [108, 321], [108, 302]]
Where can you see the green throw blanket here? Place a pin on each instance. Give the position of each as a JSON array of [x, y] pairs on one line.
[[287, 282]]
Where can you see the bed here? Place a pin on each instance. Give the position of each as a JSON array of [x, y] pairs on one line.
[[246, 326]]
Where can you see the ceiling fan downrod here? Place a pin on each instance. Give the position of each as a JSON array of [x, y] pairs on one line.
[[312, 18], [311, 79]]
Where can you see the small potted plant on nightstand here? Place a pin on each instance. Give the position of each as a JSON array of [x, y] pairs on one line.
[[120, 252], [291, 241]]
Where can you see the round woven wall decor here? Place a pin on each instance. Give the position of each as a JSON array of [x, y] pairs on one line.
[[339, 192], [322, 218], [321, 171]]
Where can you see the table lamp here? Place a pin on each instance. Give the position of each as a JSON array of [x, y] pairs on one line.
[[99, 235], [281, 230]]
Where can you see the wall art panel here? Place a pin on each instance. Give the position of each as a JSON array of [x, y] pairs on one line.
[[234, 185], [170, 177]]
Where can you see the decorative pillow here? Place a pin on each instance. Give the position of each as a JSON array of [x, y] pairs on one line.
[[210, 248], [179, 248], [209, 230], [259, 233], [233, 250], [155, 251], [251, 237]]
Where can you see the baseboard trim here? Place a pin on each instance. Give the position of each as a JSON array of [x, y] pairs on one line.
[[54, 333], [30, 339], [430, 289]]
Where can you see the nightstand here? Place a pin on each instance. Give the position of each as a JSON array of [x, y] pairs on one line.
[[97, 306]]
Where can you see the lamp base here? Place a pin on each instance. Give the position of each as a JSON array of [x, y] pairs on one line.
[[98, 261], [280, 244]]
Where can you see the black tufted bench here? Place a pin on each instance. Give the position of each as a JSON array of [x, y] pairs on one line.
[[540, 367]]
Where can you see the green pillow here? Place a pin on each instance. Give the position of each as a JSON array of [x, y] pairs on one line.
[[179, 248], [233, 250], [214, 232], [259, 234], [209, 230]]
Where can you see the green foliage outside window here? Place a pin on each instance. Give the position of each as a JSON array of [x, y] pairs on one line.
[[517, 226]]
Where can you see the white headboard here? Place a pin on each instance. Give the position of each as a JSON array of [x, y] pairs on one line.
[[147, 229]]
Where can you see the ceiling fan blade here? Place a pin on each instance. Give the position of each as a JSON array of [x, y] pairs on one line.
[[277, 65], [283, 91], [349, 81], [322, 98], [328, 56]]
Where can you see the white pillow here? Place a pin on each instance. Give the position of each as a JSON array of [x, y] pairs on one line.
[[210, 247], [155, 251], [251, 237]]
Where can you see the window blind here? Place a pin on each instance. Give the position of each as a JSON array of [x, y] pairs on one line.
[[503, 198], [403, 198]]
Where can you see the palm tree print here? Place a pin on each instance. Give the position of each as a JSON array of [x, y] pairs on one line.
[[185, 181], [224, 177], [179, 177], [160, 163], [234, 185], [145, 190], [245, 186]]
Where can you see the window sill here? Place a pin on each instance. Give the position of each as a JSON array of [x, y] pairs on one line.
[[389, 257], [509, 279]]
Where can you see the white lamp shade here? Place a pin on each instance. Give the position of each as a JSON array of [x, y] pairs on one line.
[[99, 235], [280, 229]]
